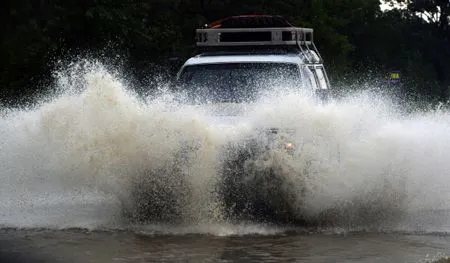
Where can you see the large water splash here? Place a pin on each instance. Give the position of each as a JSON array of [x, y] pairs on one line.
[[75, 160]]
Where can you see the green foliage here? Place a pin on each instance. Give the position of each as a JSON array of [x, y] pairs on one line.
[[355, 38], [426, 38]]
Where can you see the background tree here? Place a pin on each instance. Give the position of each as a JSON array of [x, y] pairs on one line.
[[428, 25], [357, 40]]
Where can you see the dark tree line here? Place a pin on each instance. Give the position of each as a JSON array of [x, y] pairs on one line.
[[358, 41]]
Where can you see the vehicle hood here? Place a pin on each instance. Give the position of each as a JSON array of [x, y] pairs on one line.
[[227, 114], [235, 120], [234, 115]]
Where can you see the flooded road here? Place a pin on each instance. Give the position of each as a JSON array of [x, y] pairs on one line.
[[124, 246]]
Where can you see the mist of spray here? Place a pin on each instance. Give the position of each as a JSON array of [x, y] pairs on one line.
[[74, 160]]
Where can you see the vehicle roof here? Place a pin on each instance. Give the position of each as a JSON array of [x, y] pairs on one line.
[[286, 58]]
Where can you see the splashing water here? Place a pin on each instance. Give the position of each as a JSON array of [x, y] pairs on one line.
[[76, 161]]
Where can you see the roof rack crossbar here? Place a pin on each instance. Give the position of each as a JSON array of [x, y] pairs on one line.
[[298, 37], [214, 37]]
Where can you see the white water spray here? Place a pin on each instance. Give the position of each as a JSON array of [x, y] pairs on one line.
[[67, 162]]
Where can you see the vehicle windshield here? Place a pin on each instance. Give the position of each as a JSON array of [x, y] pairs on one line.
[[235, 82]]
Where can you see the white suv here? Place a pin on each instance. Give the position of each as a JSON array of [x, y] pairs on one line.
[[237, 58]]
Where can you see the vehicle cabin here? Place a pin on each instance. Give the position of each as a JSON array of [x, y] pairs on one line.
[[240, 55]]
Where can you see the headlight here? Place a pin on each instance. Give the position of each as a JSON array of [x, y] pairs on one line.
[[289, 146]]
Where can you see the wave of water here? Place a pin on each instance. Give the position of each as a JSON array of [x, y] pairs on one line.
[[73, 161]]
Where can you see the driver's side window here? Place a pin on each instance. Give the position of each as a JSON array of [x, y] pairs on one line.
[[319, 76], [309, 78]]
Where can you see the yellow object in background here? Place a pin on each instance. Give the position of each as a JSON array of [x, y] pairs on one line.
[[395, 76]]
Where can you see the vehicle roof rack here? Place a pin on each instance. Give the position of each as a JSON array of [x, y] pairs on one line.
[[257, 32]]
